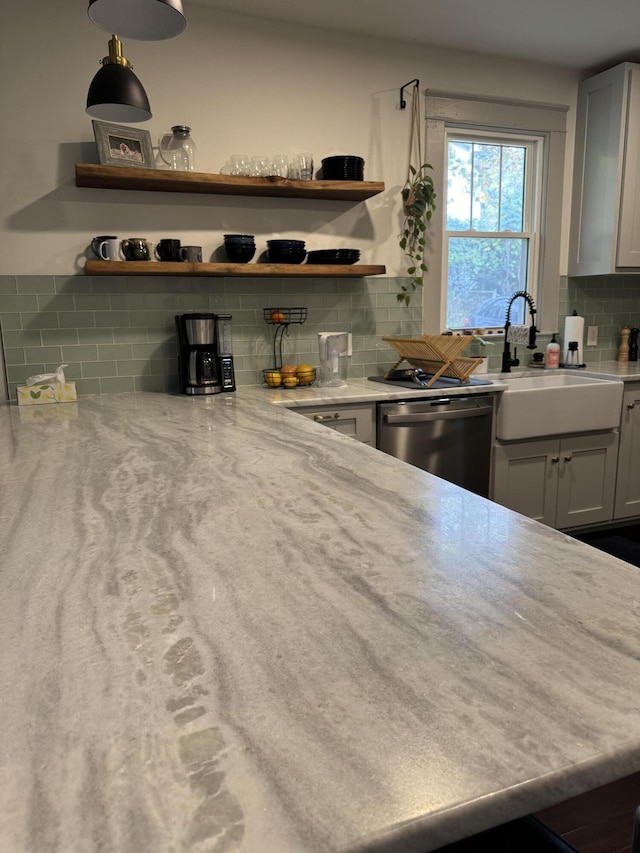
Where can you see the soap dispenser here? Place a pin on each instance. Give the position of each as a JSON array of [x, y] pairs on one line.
[[552, 358]]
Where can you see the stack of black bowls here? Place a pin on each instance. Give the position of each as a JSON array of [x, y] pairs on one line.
[[240, 248], [343, 168], [286, 251], [334, 256]]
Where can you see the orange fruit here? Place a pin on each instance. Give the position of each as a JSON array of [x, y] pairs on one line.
[[288, 370], [277, 317]]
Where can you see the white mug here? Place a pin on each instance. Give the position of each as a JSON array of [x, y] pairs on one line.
[[109, 250]]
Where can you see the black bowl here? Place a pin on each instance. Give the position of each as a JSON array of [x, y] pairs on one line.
[[239, 238], [240, 254], [343, 168], [286, 245], [293, 257]]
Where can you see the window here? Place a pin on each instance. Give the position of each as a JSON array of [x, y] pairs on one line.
[[491, 226], [499, 165]]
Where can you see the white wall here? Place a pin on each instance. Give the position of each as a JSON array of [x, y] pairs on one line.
[[244, 86]]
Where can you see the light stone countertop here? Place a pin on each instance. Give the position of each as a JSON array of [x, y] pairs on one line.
[[227, 628]]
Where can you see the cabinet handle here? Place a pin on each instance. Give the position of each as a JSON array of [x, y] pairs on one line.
[[631, 405], [555, 459], [567, 458], [334, 417]]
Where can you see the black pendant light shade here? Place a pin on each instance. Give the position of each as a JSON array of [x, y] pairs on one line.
[[115, 93], [145, 20]]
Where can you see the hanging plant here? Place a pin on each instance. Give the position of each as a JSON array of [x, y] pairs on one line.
[[418, 206]]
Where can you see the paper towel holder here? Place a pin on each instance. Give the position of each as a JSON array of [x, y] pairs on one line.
[[572, 349]]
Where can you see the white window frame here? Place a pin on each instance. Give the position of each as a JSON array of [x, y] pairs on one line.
[[531, 212], [461, 112]]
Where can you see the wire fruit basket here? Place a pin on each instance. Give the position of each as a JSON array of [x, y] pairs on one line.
[[438, 355], [282, 318]]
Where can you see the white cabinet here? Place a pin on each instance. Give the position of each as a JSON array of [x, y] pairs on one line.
[[605, 214], [563, 482], [357, 420], [627, 504]]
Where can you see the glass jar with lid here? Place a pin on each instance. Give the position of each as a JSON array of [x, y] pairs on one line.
[[178, 150]]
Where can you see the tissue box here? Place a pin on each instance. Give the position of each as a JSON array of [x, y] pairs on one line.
[[54, 392]]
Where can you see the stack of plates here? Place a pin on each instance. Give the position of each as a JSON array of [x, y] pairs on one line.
[[334, 256], [343, 168]]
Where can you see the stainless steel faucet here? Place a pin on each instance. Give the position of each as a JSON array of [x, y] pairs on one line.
[[507, 361]]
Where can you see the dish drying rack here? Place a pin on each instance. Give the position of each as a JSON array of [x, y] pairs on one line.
[[435, 354]]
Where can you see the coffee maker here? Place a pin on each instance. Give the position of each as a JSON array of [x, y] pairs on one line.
[[205, 359]]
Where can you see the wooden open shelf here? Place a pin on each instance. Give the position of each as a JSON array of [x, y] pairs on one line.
[[161, 180], [131, 268]]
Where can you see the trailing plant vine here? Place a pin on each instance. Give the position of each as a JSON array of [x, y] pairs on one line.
[[418, 204]]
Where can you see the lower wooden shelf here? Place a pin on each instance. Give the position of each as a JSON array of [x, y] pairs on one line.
[[131, 268]]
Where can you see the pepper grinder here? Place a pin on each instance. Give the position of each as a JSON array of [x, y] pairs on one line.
[[623, 351], [633, 344]]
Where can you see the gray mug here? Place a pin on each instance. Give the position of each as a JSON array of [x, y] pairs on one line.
[[191, 254]]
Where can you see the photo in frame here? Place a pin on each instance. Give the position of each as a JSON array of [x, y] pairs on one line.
[[120, 145]]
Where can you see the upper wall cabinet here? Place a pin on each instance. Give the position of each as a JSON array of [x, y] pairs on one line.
[[605, 214]]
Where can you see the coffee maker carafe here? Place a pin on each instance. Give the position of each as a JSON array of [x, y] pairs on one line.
[[205, 359]]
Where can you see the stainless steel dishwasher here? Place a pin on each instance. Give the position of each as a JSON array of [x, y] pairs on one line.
[[446, 436]]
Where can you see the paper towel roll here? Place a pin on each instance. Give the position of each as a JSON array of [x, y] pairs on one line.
[[573, 331]]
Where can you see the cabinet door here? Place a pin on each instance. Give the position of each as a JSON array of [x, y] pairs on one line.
[[526, 478], [586, 479], [597, 172], [627, 503], [629, 227], [356, 421]]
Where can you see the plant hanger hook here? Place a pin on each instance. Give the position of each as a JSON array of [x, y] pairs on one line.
[[403, 103]]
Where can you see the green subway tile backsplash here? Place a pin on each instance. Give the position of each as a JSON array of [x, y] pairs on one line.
[[36, 284], [118, 333]]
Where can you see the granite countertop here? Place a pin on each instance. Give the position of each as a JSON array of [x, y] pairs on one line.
[[227, 628], [366, 391]]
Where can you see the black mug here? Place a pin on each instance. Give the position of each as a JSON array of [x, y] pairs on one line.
[[168, 250]]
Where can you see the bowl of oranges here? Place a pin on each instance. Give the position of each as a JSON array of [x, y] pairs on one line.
[[290, 376]]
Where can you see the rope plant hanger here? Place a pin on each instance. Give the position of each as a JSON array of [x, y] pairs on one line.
[[418, 204]]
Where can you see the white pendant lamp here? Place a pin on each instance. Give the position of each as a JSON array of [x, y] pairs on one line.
[[145, 20], [115, 93]]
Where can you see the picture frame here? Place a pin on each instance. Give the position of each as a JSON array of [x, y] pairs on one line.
[[121, 145]]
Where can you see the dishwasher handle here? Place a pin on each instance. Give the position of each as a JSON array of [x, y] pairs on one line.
[[424, 417]]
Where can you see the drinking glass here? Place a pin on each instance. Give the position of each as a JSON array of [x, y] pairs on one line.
[[240, 164], [306, 166], [279, 165]]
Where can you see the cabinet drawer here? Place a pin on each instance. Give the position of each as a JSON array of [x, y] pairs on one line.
[[356, 421]]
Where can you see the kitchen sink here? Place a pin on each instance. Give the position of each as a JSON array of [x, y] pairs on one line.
[[557, 404]]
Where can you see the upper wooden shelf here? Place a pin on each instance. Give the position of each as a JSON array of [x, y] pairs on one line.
[[258, 270], [161, 180]]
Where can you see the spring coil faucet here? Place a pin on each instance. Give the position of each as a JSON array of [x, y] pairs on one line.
[[507, 361]]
